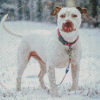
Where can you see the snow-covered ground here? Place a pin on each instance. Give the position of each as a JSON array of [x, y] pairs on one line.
[[89, 80]]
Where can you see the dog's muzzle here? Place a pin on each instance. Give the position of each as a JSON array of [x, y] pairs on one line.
[[68, 26]]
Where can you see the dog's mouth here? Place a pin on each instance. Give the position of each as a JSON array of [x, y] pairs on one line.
[[68, 26]]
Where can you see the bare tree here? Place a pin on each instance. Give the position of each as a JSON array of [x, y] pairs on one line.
[[30, 5], [70, 3], [39, 10], [20, 9], [94, 7]]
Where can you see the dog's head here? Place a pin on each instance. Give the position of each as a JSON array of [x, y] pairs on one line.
[[69, 19]]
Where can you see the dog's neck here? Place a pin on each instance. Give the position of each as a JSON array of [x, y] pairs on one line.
[[70, 37], [64, 42]]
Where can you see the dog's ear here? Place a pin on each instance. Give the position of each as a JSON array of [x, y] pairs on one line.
[[55, 11], [83, 11]]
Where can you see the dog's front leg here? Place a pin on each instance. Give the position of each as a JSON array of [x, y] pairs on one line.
[[52, 80], [75, 75]]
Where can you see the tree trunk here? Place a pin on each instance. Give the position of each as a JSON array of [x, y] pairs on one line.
[[94, 7], [70, 3], [30, 5], [39, 10], [20, 9]]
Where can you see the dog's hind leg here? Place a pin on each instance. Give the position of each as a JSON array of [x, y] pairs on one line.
[[19, 76], [23, 55], [42, 67], [41, 74]]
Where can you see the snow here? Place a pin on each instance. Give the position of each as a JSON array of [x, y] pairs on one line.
[[89, 78]]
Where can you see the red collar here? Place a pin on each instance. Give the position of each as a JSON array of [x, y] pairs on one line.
[[64, 42]]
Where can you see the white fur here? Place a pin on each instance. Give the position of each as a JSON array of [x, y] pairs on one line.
[[52, 51]]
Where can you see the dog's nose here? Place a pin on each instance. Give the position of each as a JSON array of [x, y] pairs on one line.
[[67, 23]]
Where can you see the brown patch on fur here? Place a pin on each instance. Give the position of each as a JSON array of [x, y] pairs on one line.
[[68, 24], [80, 9], [83, 10], [35, 55], [55, 11]]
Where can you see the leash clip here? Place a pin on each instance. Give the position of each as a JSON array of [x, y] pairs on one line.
[[67, 70], [69, 51]]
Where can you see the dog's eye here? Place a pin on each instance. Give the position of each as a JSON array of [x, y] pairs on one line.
[[74, 16], [62, 16]]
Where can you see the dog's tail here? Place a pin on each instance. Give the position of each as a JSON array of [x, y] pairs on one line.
[[2, 23]]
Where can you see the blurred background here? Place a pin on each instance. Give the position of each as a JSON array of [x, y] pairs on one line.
[[39, 10]]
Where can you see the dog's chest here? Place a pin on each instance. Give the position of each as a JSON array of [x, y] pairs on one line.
[[63, 58]]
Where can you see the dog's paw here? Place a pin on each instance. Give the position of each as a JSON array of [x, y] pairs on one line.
[[18, 89], [71, 92], [73, 88], [47, 90], [44, 87], [56, 94]]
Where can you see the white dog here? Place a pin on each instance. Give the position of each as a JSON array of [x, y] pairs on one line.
[[53, 50]]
